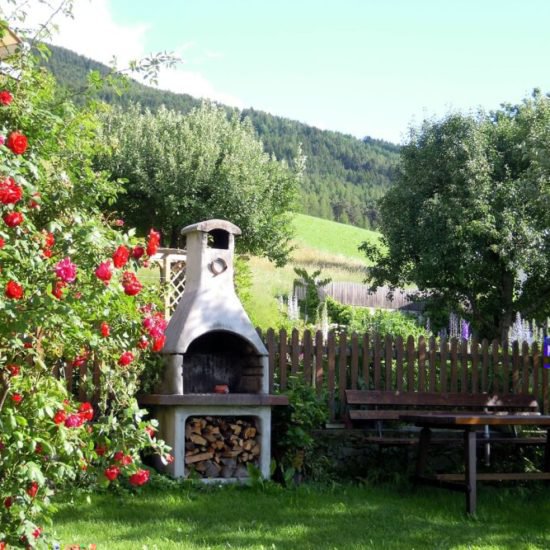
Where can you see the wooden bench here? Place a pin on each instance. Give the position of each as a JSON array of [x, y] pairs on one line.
[[375, 406]]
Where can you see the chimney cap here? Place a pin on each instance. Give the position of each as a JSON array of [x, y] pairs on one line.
[[208, 225]]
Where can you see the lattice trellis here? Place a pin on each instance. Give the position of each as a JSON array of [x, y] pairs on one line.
[[173, 262]]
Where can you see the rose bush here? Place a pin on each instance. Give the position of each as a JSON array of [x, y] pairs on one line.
[[73, 313]]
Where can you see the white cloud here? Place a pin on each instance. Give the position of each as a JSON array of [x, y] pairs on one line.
[[94, 33]]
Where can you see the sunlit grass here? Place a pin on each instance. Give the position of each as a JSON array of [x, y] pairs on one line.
[[307, 518]]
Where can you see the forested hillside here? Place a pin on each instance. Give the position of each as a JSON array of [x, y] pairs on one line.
[[344, 175]]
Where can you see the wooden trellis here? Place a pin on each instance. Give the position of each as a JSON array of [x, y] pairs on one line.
[[172, 263]]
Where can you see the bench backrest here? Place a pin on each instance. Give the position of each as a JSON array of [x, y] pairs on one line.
[[395, 399]]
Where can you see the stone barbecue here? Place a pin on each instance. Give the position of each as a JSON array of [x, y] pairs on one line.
[[216, 367]]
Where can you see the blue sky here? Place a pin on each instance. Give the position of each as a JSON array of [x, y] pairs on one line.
[[365, 67]]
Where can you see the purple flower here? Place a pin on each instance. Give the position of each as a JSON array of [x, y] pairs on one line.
[[66, 270], [464, 329]]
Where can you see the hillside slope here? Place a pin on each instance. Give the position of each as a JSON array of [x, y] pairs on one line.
[[345, 176]]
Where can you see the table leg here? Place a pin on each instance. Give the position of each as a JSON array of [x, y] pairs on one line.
[[423, 444], [470, 460]]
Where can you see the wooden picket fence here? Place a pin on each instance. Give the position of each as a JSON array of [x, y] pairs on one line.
[[366, 362]]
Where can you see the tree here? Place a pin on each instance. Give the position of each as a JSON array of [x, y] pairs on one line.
[[180, 169], [467, 220]]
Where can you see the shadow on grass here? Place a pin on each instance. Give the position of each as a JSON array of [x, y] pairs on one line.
[[345, 517]]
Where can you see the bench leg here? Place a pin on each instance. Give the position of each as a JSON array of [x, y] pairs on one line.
[[470, 460], [423, 444]]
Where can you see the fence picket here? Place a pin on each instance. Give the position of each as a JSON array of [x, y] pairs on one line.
[[410, 363], [496, 384], [295, 352], [331, 374], [377, 354], [354, 360], [454, 357], [526, 363], [388, 361], [399, 360], [307, 358], [421, 364], [270, 343], [536, 366], [319, 355], [505, 368], [282, 358], [433, 373], [515, 367], [485, 367], [342, 367], [475, 366], [444, 348], [366, 360]]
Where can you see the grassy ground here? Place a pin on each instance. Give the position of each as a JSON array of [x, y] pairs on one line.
[[308, 518], [319, 244]]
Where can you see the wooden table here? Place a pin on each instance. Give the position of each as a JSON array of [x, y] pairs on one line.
[[468, 424]]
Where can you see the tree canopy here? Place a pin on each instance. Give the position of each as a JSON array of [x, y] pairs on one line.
[[468, 219], [180, 169]]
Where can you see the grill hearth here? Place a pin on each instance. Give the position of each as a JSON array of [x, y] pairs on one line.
[[211, 344]]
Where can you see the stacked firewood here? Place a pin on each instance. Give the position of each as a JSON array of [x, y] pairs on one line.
[[221, 446]]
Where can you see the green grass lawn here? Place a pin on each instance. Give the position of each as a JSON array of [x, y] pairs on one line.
[[345, 517]]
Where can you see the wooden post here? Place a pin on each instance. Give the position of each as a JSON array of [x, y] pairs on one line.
[[464, 366], [319, 345], [399, 361], [270, 340], [443, 366], [410, 363], [471, 467], [485, 367], [421, 364], [432, 353], [388, 362], [454, 359], [354, 360], [295, 352], [282, 358], [331, 374], [307, 358], [366, 361], [526, 367], [342, 368], [377, 357], [475, 366]]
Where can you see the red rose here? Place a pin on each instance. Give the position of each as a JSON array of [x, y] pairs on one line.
[[100, 449], [74, 421], [10, 192], [138, 252], [14, 291], [17, 142], [111, 473], [151, 431], [2, 242], [14, 369], [57, 289], [139, 478], [169, 458], [36, 533], [104, 271], [47, 253], [131, 284], [158, 343], [65, 270], [153, 242], [49, 240], [120, 257], [5, 97], [126, 358], [17, 398], [105, 330], [60, 417], [80, 360], [86, 411], [32, 489], [125, 460], [13, 219], [143, 343], [8, 502]]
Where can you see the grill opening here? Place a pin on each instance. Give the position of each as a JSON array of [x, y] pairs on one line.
[[218, 238], [218, 358]]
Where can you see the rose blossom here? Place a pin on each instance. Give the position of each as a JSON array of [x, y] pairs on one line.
[[32, 489], [10, 192], [17, 142], [105, 330], [138, 252], [100, 449], [13, 219], [80, 360], [14, 370], [120, 257], [123, 459], [111, 473], [158, 343], [131, 284], [86, 411], [66, 270], [104, 271], [153, 242], [143, 343], [57, 289], [17, 398], [60, 417], [74, 421], [126, 358], [5, 97], [139, 478], [14, 291], [151, 431], [8, 502], [2, 242]]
